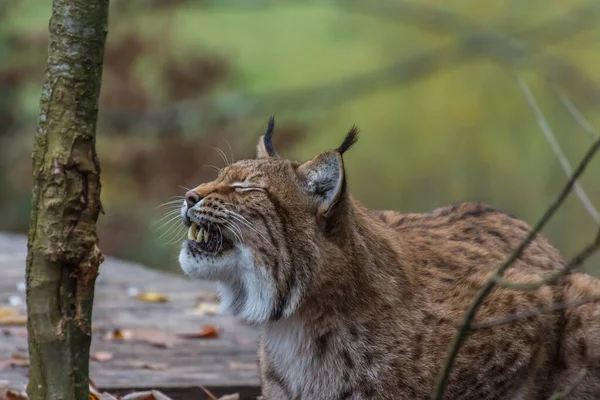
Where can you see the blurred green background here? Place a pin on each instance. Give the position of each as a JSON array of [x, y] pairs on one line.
[[433, 86]]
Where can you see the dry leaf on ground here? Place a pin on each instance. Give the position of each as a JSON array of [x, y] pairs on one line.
[[152, 336], [204, 309], [148, 395], [102, 356], [10, 393], [235, 396], [94, 392], [205, 332], [152, 297], [16, 331], [16, 360], [11, 316]]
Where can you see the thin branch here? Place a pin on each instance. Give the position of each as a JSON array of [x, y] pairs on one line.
[[577, 261], [490, 283], [480, 42], [577, 115], [549, 135], [561, 395]]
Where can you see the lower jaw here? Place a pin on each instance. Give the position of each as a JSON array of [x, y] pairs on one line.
[[196, 247]]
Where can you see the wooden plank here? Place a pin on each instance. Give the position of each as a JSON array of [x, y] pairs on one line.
[[195, 392], [227, 361]]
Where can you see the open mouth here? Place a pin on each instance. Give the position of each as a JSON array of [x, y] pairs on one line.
[[208, 239]]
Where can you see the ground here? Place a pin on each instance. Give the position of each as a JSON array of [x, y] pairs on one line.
[[140, 344]]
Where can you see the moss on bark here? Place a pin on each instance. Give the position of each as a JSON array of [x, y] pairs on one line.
[[63, 255]]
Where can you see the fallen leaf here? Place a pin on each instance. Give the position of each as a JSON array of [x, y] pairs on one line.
[[148, 395], [11, 393], [102, 356], [15, 331], [94, 392], [235, 396], [151, 297], [16, 360], [152, 336], [204, 309], [10, 316], [205, 332]]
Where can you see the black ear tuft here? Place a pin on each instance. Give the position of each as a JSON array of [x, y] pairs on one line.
[[349, 141], [269, 138]]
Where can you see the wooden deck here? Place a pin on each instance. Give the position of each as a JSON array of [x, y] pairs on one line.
[[228, 361]]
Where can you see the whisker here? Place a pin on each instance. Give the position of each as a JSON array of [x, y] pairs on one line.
[[213, 167], [184, 188], [178, 201], [167, 215], [247, 223], [223, 156], [229, 225], [178, 236], [220, 240], [256, 231], [235, 230], [174, 225], [172, 218], [230, 149]]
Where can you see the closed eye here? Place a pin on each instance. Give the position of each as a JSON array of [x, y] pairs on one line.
[[244, 187]]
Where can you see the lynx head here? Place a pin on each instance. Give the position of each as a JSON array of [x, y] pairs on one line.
[[265, 228]]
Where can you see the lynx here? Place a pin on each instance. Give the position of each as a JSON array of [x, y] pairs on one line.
[[360, 304]]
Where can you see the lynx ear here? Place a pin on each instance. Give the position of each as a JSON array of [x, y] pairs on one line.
[[265, 148], [324, 176]]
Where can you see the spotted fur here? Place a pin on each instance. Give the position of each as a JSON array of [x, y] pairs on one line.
[[359, 304]]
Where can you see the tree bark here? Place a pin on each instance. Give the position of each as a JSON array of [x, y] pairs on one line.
[[63, 255]]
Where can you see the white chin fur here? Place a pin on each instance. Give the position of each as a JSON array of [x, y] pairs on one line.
[[246, 290], [210, 268]]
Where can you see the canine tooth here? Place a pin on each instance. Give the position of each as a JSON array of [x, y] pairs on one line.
[[206, 235], [191, 233], [200, 235]]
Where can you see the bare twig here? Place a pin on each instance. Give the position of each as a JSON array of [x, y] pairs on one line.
[[479, 42], [491, 283], [577, 115], [570, 387], [208, 393], [549, 135], [578, 260], [534, 312]]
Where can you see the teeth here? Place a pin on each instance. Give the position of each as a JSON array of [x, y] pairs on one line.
[[192, 232], [206, 236], [200, 235]]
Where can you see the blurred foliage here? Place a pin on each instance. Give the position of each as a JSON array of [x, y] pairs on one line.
[[431, 84]]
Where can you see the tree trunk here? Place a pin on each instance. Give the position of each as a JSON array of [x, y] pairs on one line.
[[63, 255]]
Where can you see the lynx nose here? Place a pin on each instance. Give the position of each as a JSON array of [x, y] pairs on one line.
[[192, 198]]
